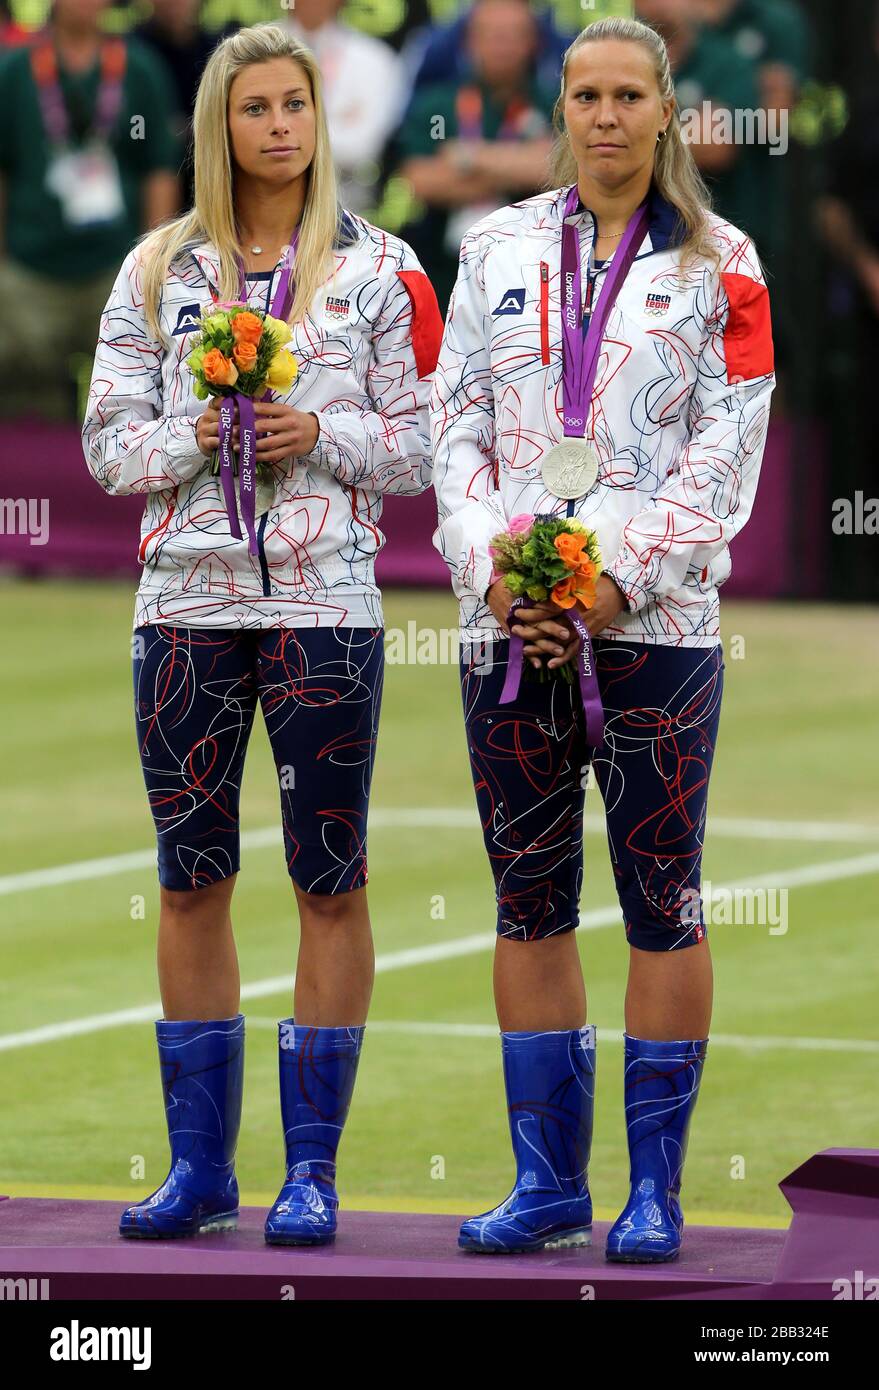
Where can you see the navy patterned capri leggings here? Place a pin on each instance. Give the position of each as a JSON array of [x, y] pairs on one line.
[[195, 696], [530, 762]]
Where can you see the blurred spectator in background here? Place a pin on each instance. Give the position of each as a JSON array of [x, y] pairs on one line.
[[88, 161], [710, 76], [848, 214], [174, 32], [848, 219], [440, 53], [364, 92], [474, 143], [774, 35], [11, 34], [396, 23]]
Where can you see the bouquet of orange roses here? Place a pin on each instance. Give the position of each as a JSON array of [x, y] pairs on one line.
[[240, 355], [558, 558], [544, 558]]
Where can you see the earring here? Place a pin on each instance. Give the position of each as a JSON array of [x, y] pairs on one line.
[[660, 136]]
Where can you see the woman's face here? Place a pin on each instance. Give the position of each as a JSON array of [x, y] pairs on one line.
[[272, 120], [613, 111]]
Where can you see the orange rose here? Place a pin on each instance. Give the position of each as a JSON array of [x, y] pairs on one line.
[[578, 587], [584, 590], [218, 370], [562, 593], [245, 355], [570, 547], [585, 579], [246, 328]]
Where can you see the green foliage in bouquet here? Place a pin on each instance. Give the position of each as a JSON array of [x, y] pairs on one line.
[[530, 561]]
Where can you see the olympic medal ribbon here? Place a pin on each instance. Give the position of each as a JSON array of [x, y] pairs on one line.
[[247, 467], [227, 479], [284, 294], [593, 709], [515, 657], [281, 303], [590, 694], [579, 355], [243, 406]]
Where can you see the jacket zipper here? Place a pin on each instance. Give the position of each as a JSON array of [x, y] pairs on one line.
[[263, 562], [590, 286], [544, 312]]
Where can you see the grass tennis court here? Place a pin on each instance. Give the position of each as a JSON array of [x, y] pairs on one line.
[[795, 1045]]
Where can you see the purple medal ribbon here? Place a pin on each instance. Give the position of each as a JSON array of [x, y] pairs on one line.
[[579, 367], [579, 356], [247, 416], [593, 709], [589, 692], [226, 421], [514, 659]]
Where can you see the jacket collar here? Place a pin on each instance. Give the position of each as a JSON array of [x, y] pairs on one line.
[[664, 227], [207, 257]]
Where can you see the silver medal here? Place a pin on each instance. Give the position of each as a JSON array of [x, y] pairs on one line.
[[570, 469]]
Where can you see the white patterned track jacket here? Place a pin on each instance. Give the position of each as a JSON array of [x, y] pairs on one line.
[[366, 353], [679, 412]]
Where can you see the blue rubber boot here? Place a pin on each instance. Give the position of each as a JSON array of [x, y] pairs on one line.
[[662, 1083], [202, 1079], [550, 1082], [317, 1069]]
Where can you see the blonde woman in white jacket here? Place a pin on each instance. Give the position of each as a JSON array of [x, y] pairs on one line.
[[285, 612], [659, 453]]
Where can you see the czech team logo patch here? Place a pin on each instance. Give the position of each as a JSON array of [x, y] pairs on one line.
[[513, 302], [657, 305], [188, 319], [337, 308]]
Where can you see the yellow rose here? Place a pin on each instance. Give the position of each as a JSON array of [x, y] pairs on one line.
[[283, 370], [280, 329]]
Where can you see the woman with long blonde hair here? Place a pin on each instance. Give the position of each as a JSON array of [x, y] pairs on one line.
[[607, 358], [285, 612]]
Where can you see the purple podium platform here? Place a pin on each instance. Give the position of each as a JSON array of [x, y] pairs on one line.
[[74, 1247]]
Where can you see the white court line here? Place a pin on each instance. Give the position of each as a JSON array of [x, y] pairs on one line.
[[614, 1035], [441, 950], [437, 818]]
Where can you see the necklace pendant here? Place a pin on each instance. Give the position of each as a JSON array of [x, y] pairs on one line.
[[257, 250]]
